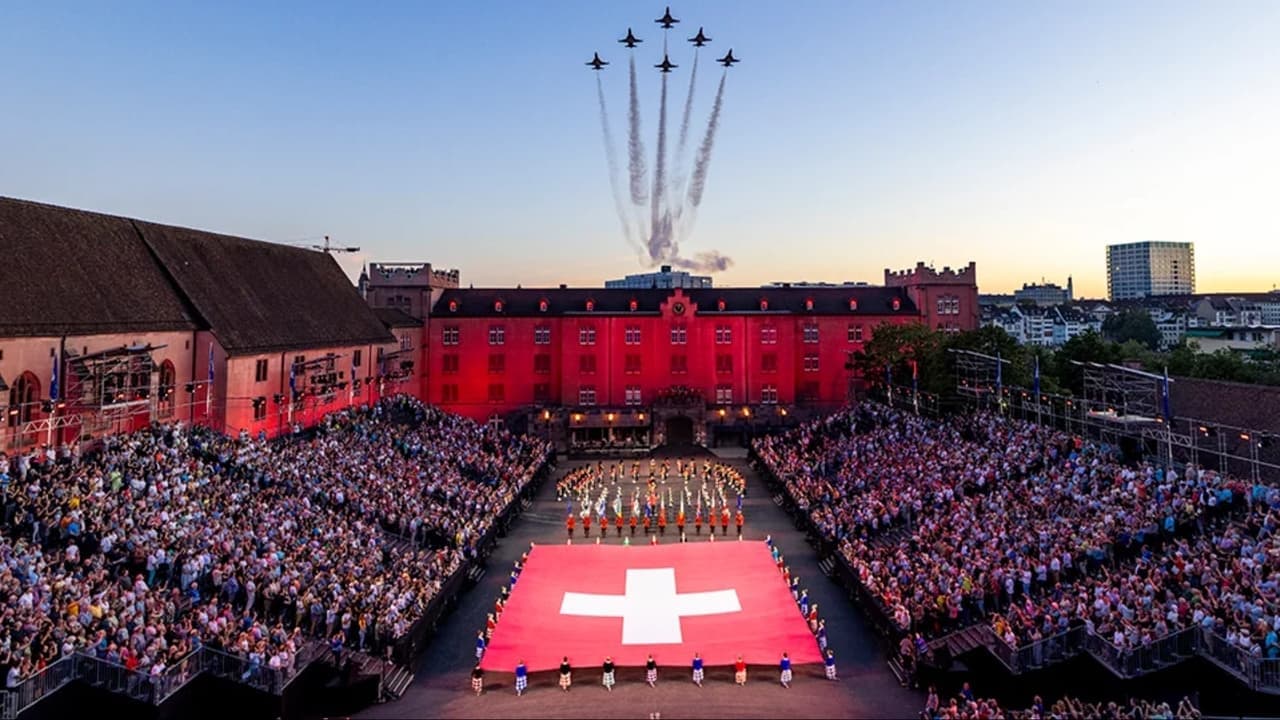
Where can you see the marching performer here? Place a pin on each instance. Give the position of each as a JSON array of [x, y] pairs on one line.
[[697, 669], [477, 680], [830, 662], [785, 666], [566, 674], [739, 672], [522, 678], [651, 672], [607, 676]]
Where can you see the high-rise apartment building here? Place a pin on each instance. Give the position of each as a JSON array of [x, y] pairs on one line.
[[1143, 269]]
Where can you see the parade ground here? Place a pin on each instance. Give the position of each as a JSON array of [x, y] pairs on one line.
[[866, 687]]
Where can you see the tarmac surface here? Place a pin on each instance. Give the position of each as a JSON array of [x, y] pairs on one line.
[[866, 688]]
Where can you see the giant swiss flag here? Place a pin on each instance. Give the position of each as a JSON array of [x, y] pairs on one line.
[[720, 599]]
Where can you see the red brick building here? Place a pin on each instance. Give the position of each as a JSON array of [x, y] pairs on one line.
[[646, 366], [130, 315]]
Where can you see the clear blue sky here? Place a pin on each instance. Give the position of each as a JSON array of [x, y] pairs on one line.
[[855, 136]]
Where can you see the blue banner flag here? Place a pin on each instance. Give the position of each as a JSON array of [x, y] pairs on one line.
[[1164, 397], [210, 362], [1036, 379], [53, 382], [999, 375]]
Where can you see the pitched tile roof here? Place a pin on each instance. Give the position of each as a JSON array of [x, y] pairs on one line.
[[70, 272]]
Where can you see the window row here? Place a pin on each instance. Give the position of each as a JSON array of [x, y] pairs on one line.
[[589, 397], [451, 334]]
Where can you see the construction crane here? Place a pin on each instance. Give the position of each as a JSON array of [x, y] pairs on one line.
[[327, 247]]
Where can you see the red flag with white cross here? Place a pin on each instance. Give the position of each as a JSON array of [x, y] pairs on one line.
[[721, 600]]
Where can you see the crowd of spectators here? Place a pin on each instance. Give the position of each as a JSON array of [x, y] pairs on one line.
[[174, 538], [981, 518], [965, 706]]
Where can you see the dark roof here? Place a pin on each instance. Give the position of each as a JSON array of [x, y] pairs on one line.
[[525, 302], [262, 297], [1229, 403], [70, 272], [395, 317]]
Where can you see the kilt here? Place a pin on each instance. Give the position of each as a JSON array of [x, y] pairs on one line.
[[786, 676], [566, 679], [479, 652], [831, 672], [697, 676], [651, 676], [522, 682], [608, 679], [822, 642], [740, 676], [477, 684]]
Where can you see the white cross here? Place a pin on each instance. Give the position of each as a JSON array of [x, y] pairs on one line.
[[651, 608]]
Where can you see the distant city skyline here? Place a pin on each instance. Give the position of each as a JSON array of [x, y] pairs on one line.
[[855, 137]]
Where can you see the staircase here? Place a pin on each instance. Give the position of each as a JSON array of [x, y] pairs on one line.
[[396, 683], [827, 565], [961, 642]]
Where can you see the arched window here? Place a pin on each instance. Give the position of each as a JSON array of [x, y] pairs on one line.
[[168, 377], [24, 399]]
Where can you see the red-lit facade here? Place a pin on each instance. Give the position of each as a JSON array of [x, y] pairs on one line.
[[605, 356]]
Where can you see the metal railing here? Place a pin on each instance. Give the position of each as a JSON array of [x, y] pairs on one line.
[[37, 687], [1259, 673], [1132, 662], [1041, 653]]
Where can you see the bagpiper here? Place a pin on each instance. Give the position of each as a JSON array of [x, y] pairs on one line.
[[830, 662], [607, 675], [651, 672], [480, 644], [566, 674], [697, 669], [785, 675], [477, 680]]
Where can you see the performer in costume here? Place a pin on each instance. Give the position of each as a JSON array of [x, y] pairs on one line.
[[724, 522], [651, 672], [566, 674], [785, 666], [697, 523], [831, 665], [522, 678], [822, 634], [697, 669], [680, 521], [739, 672], [479, 644], [607, 677], [569, 524], [633, 526], [477, 680], [617, 523], [586, 525], [740, 520], [662, 523]]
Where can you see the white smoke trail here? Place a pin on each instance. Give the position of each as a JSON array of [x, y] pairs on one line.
[[659, 220], [698, 183], [611, 158], [635, 146]]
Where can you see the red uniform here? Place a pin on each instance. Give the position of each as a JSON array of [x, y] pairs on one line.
[[617, 524], [662, 523], [680, 521], [569, 524], [633, 526], [740, 520], [697, 524], [586, 526], [724, 520]]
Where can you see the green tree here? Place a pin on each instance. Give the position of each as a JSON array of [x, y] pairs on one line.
[[1132, 324], [895, 346]]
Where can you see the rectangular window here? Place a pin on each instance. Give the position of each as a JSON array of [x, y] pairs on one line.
[[724, 363], [679, 364], [855, 333], [632, 395], [768, 335], [811, 333], [448, 393], [259, 407], [497, 392], [587, 364], [299, 360], [724, 394], [587, 335], [769, 362], [811, 363], [632, 365], [724, 335], [631, 336], [497, 363], [542, 335], [809, 391], [260, 371], [497, 335], [679, 335], [542, 392], [449, 335], [587, 395], [406, 343], [769, 394], [449, 363], [542, 364], [358, 356]]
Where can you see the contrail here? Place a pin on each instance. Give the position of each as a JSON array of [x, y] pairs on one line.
[[635, 146], [688, 111], [681, 179], [703, 161], [710, 261], [659, 222], [611, 157]]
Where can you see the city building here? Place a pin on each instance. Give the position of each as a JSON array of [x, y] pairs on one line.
[[818, 283], [110, 323], [1239, 339], [664, 279], [1043, 326], [1044, 294], [1233, 311], [1145, 269], [639, 366], [401, 296]]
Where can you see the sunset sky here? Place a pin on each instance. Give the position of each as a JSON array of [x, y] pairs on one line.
[[854, 136]]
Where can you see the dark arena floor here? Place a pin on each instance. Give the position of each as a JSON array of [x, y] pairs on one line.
[[866, 688]]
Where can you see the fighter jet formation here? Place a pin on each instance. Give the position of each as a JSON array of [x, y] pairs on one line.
[[660, 209]]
